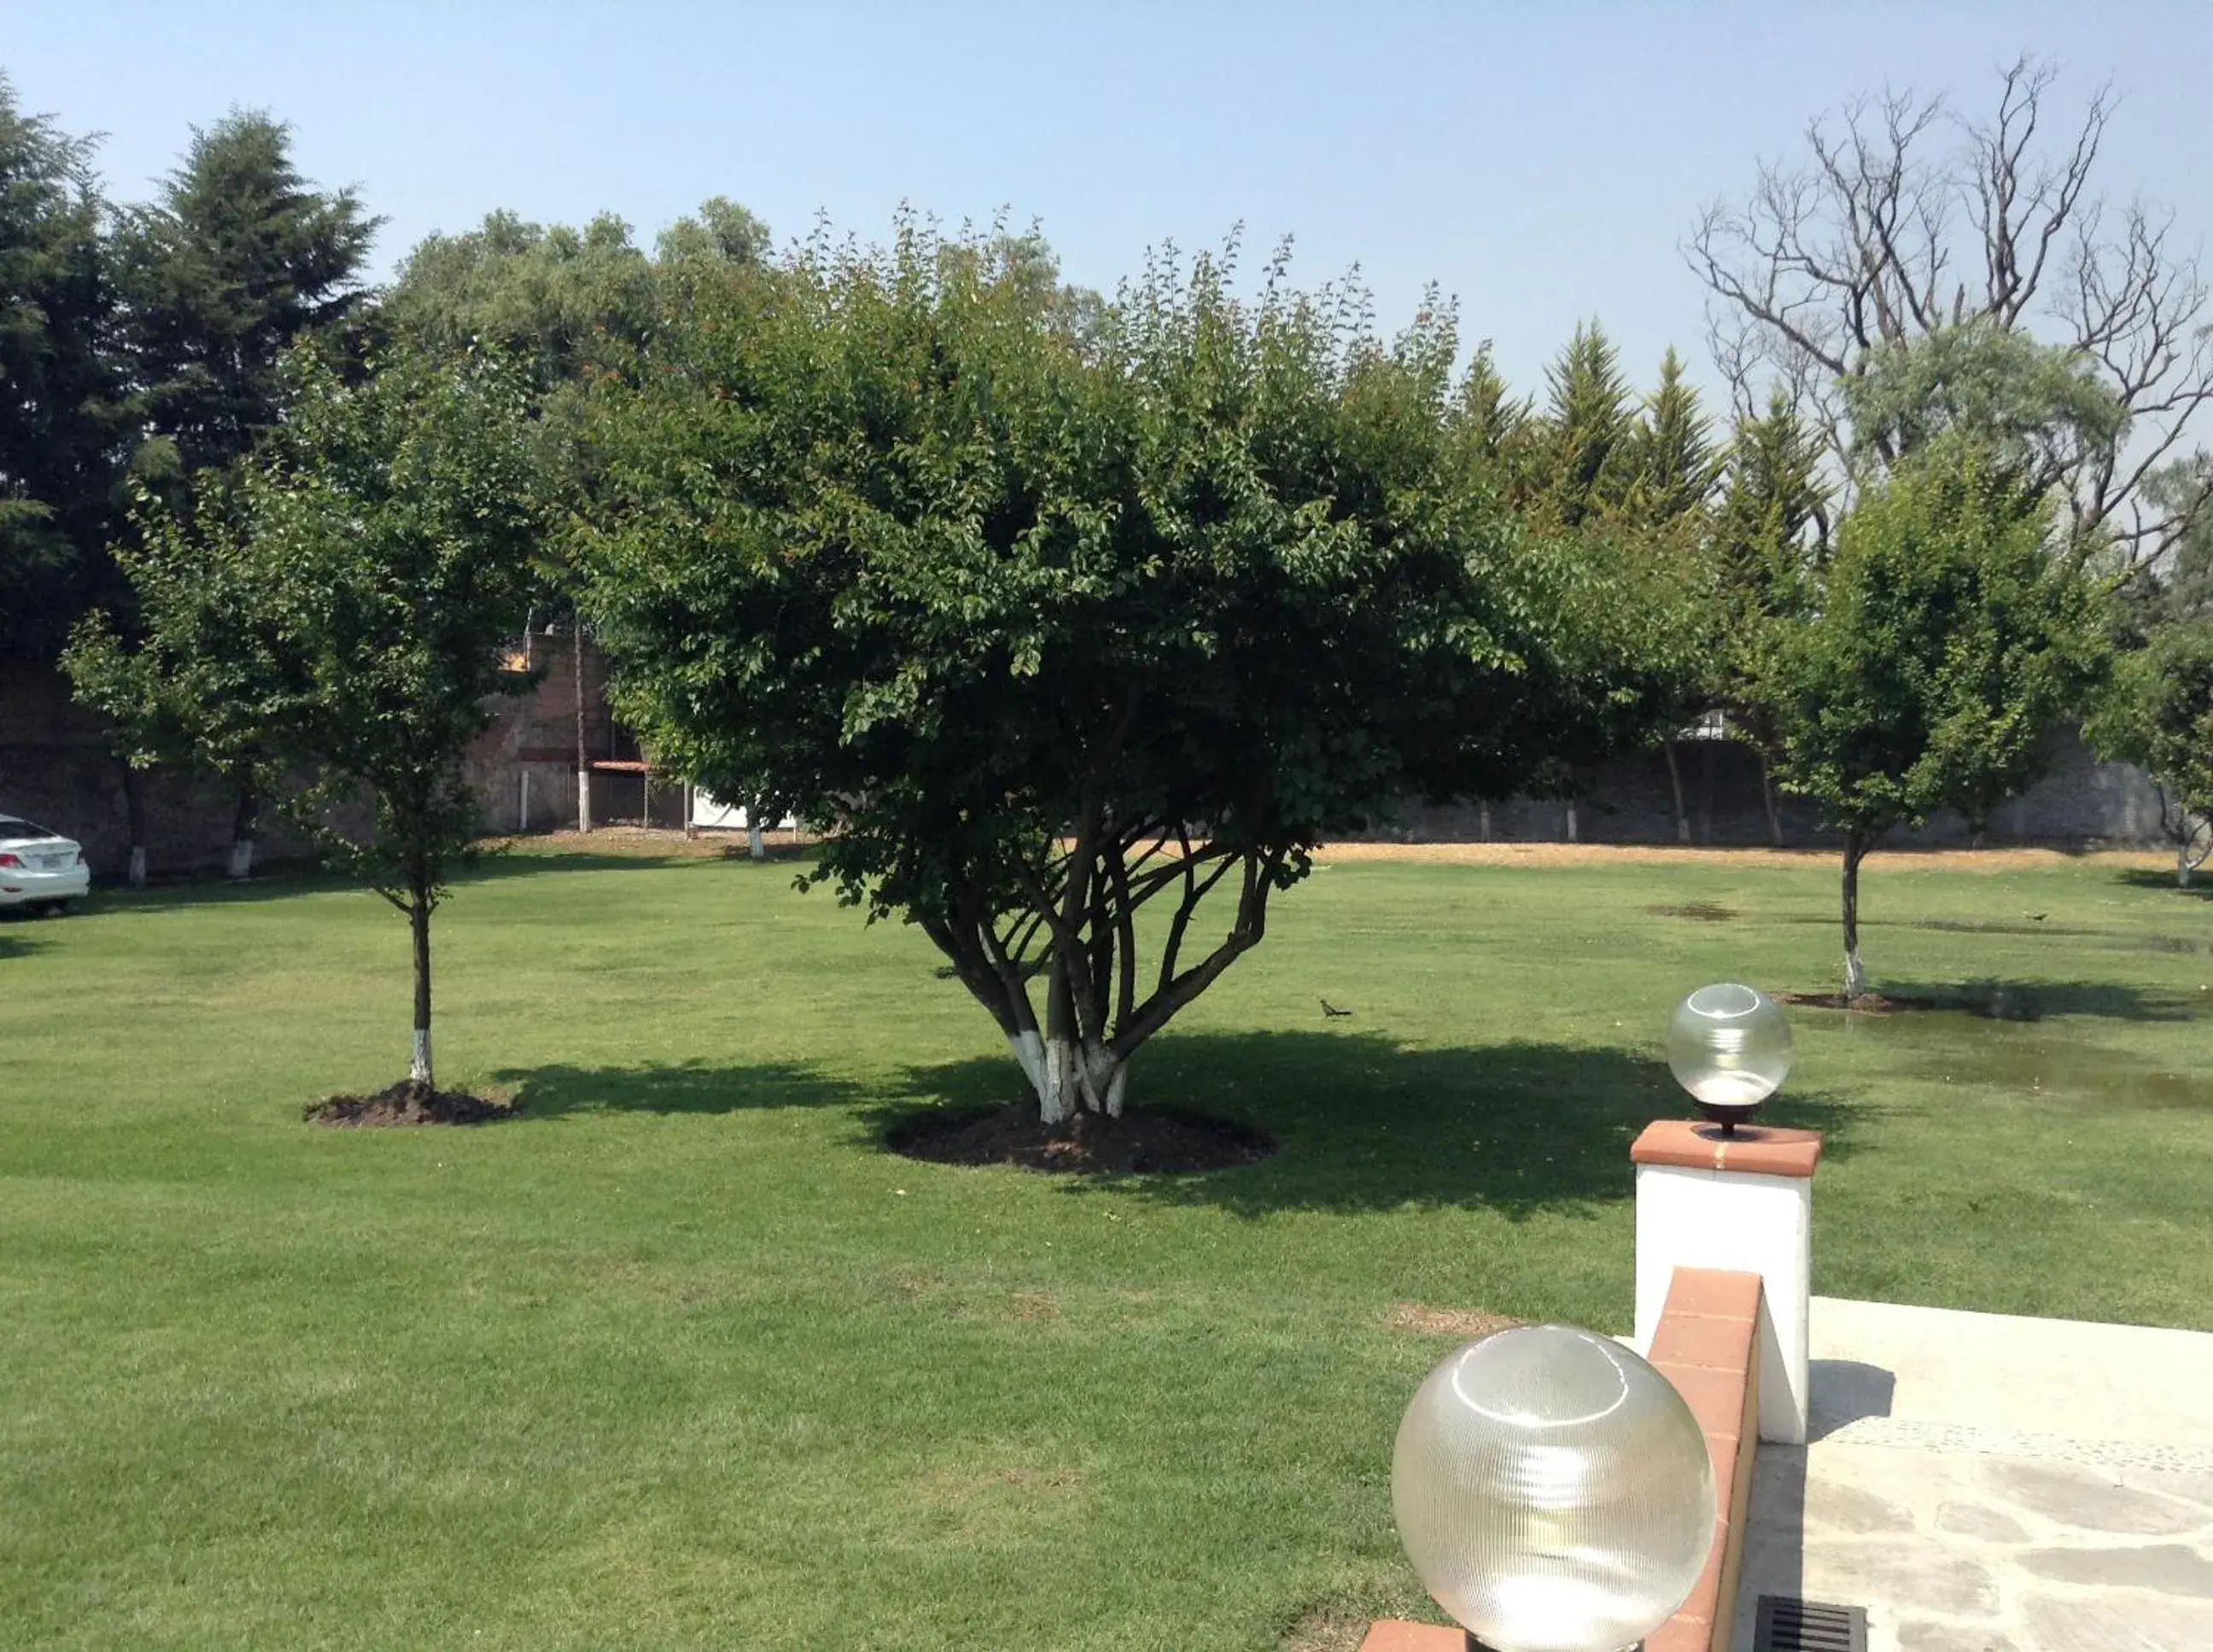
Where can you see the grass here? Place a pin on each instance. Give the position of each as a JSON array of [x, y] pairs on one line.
[[681, 1357]]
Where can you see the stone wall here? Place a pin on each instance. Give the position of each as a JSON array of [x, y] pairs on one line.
[[55, 768], [2080, 803]]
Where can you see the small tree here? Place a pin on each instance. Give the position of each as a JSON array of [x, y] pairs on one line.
[[2158, 715], [1948, 644], [1049, 613], [338, 614]]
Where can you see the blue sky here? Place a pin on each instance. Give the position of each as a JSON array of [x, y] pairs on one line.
[[1542, 163]]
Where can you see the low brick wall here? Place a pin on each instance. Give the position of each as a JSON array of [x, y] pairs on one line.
[[1708, 1346]]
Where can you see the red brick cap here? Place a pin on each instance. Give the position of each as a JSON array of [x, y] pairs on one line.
[[1755, 1150], [1395, 1635]]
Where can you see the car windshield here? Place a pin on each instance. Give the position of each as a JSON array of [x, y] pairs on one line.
[[13, 827]]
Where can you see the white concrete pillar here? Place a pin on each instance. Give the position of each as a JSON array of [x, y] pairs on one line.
[[1743, 1202]]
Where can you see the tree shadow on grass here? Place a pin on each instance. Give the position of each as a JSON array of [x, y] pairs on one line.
[[683, 1088], [2201, 882], [1365, 1124], [284, 880], [2035, 1000]]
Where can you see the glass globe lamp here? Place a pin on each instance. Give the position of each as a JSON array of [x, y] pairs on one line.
[[1729, 1047], [1553, 1491]]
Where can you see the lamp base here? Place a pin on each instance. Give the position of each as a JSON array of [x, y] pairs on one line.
[[1728, 1117]]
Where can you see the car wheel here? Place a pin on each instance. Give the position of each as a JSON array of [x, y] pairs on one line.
[[54, 909]]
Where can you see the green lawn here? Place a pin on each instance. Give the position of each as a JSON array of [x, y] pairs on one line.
[[681, 1357]]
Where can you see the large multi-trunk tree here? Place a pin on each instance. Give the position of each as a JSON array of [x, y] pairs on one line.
[[328, 626], [1078, 626]]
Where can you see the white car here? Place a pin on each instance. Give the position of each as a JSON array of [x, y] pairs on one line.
[[38, 868]]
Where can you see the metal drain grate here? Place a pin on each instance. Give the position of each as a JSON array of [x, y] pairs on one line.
[[1787, 1624]]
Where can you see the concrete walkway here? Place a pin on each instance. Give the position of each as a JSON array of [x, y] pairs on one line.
[[1988, 1484]]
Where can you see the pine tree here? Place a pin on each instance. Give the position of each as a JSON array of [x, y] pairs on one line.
[[1769, 532], [1676, 465], [1588, 457], [60, 410], [236, 259]]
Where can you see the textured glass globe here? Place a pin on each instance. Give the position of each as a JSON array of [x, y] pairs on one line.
[[1730, 1045], [1553, 1490]]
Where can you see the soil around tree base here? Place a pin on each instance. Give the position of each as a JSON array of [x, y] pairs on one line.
[[408, 1103], [1144, 1140]]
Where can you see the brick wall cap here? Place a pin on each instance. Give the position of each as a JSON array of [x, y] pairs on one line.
[[1755, 1150]]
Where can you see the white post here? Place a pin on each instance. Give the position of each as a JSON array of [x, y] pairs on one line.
[[1744, 1204]]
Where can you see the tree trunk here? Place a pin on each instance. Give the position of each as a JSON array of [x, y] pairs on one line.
[[418, 920], [1855, 971], [1706, 793], [2182, 864], [1767, 797], [584, 759], [134, 811], [242, 832], [1675, 785], [1483, 821], [1573, 824], [756, 839]]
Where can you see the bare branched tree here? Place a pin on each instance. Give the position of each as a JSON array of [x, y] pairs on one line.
[[1910, 217]]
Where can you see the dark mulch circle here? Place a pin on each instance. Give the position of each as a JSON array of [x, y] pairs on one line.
[[1144, 1140], [408, 1103]]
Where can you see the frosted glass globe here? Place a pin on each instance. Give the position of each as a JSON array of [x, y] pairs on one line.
[[1553, 1491], [1729, 1047]]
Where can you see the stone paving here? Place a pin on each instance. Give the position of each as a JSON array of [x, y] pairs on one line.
[[1990, 1485]]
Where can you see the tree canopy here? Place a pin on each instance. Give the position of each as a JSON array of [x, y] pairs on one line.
[[336, 614], [1043, 619], [61, 406], [1948, 645]]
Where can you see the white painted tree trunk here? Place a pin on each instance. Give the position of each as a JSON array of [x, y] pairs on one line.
[[1855, 974], [1573, 825], [756, 838], [1067, 1077], [1483, 821], [241, 859], [137, 873], [419, 1071], [583, 800], [2182, 864]]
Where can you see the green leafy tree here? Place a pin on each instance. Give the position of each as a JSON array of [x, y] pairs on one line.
[[1047, 618], [61, 407], [2158, 715], [1949, 643], [337, 612], [567, 304]]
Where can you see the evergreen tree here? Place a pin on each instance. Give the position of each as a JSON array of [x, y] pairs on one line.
[[1676, 465], [1768, 529], [60, 410], [1498, 425], [236, 259], [1588, 460]]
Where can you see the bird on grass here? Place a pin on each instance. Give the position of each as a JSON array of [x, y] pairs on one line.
[[1329, 1009]]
